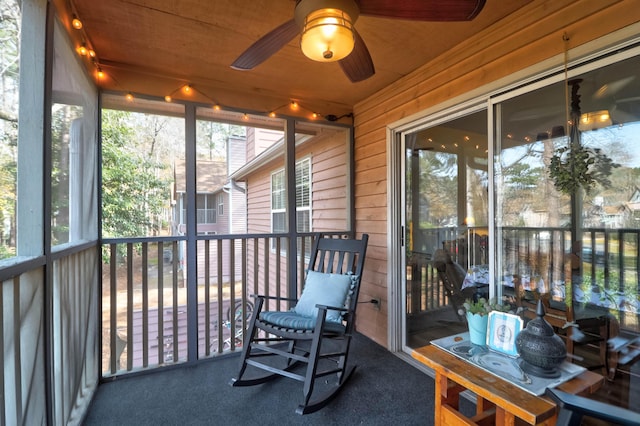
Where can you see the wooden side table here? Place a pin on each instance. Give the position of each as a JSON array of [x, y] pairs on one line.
[[498, 401]]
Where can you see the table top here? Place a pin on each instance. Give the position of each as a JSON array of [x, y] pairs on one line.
[[522, 404], [478, 275]]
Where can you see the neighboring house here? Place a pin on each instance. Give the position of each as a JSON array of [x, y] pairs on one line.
[[321, 159], [221, 200], [319, 153], [607, 216], [634, 204], [252, 180], [211, 177], [603, 215]]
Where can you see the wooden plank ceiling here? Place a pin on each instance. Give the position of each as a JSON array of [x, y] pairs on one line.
[[154, 47]]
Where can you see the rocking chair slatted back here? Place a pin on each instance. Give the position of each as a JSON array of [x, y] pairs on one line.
[[452, 276]]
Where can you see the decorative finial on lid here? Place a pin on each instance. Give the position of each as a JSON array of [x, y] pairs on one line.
[[540, 309]]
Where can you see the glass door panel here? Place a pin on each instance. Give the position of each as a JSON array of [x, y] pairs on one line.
[[567, 225], [446, 199]]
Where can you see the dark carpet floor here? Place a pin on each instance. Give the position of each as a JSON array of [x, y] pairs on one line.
[[384, 390]]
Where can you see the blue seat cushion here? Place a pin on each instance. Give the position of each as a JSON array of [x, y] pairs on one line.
[[293, 320]]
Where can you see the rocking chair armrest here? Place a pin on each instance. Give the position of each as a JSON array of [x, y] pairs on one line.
[[277, 298], [344, 312], [326, 307]]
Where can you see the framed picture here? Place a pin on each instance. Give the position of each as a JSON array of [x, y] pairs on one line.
[[502, 330]]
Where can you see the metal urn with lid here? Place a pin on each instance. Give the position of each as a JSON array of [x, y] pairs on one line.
[[541, 350]]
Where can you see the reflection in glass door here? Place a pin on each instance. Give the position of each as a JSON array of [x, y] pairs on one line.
[[567, 191], [446, 204]]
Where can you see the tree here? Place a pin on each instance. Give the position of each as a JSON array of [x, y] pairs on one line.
[[436, 186], [212, 137], [134, 192], [9, 77]]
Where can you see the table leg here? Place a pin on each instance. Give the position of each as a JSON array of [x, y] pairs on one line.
[[447, 401], [482, 405], [504, 418], [441, 383]]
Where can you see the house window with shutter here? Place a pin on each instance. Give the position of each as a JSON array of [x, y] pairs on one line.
[[303, 198], [221, 204]]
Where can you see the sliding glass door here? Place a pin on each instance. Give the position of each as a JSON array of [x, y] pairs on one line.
[[565, 209]]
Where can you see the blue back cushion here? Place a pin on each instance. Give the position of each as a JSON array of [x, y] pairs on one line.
[[323, 289]]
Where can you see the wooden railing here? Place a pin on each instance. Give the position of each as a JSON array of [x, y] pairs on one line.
[[154, 307], [608, 263]]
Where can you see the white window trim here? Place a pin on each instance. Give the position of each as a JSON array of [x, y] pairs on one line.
[[306, 208]]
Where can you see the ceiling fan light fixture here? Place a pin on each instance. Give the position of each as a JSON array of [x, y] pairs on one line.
[[327, 35], [594, 120], [327, 28]]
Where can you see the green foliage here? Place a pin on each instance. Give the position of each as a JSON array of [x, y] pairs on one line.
[[6, 252], [9, 77], [133, 191], [61, 121], [437, 187], [574, 166], [8, 174], [484, 306], [212, 138], [523, 176]]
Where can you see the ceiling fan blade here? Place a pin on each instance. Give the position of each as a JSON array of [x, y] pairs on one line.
[[423, 10], [266, 46], [358, 65]]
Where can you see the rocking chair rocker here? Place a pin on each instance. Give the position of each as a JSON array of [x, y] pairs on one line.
[[316, 333]]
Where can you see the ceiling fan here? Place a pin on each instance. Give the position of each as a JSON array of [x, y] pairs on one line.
[[328, 34]]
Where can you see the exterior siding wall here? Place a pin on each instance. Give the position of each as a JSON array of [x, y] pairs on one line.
[[329, 182], [237, 210], [259, 201], [222, 221], [505, 53]]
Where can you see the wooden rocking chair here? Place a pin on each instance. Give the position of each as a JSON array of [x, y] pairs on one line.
[[452, 276], [316, 333]]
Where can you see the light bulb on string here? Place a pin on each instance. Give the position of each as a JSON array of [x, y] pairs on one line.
[[76, 23]]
